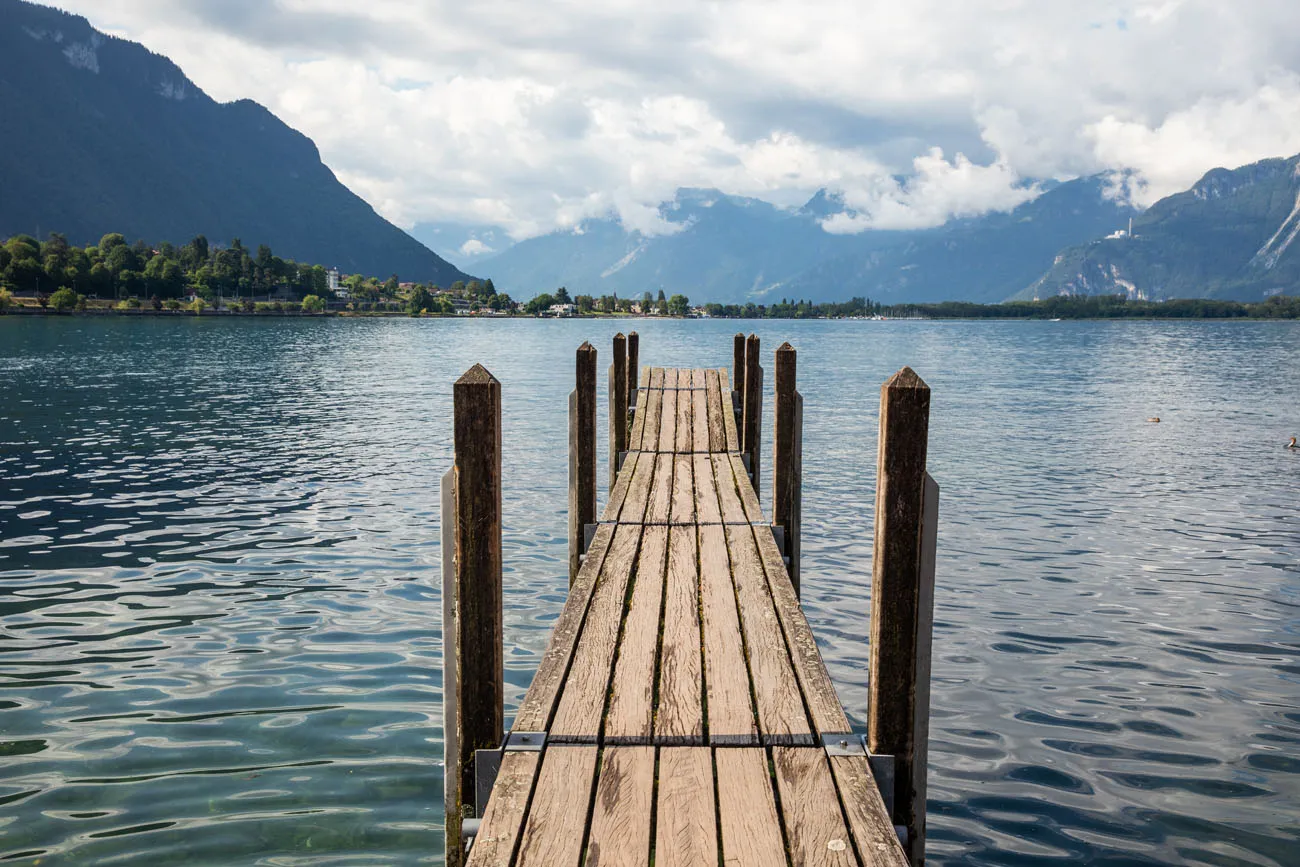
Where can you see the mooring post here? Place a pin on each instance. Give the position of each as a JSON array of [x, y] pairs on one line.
[[902, 594], [582, 455], [752, 408], [450, 665], [738, 377], [633, 369], [480, 688], [787, 458], [617, 407]]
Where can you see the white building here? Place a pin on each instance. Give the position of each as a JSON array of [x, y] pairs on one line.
[[335, 286]]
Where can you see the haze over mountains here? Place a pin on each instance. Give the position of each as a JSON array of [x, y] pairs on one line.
[[101, 135]]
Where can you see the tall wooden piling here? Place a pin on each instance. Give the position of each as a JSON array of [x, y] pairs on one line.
[[479, 684], [633, 366], [617, 407], [752, 408], [738, 365], [898, 698], [787, 457], [582, 454]]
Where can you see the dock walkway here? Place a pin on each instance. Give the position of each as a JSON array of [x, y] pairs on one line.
[[682, 714]]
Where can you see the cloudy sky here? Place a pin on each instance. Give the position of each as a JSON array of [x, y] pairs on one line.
[[533, 114]]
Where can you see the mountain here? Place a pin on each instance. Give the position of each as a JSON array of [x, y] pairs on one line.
[[101, 135], [733, 249], [1231, 236]]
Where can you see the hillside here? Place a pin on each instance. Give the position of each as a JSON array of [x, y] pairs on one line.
[[101, 135], [730, 249], [1232, 235]]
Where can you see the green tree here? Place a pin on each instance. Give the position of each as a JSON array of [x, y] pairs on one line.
[[679, 305], [64, 299], [420, 300], [562, 296], [540, 304], [313, 304], [661, 295], [6, 300]]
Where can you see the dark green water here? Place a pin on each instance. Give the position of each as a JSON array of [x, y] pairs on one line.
[[219, 612]]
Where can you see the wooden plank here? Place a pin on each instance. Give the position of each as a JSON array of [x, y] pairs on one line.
[[631, 703], [539, 703], [686, 832], [554, 830], [683, 509], [726, 677], [620, 823], [657, 377], [495, 844], [818, 691], [699, 420], [781, 715], [747, 818], [810, 809], [869, 821], [638, 489], [644, 381], [684, 428], [638, 421], [717, 432], [729, 498], [729, 413], [668, 422], [707, 510], [618, 496], [654, 407], [582, 702], [679, 718], [697, 377], [748, 497], [661, 492]]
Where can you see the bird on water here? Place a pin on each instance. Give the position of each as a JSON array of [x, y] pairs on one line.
[[1292, 445]]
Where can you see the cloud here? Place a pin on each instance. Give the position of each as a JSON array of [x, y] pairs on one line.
[[475, 247], [538, 114]]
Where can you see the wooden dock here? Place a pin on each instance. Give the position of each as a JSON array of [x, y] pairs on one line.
[[682, 714]]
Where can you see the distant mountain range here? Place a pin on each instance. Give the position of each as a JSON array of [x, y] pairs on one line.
[[1232, 235], [101, 135]]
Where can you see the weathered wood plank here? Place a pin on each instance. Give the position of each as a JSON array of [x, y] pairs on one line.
[[679, 718], [814, 826], [717, 431], [684, 426], [683, 510], [729, 414], [699, 420], [726, 677], [668, 422], [657, 377], [819, 692], [631, 703], [640, 480], [495, 844], [539, 703], [654, 408], [558, 816], [661, 493], [644, 382], [728, 497], [781, 716], [748, 497], [869, 821], [707, 510], [697, 377], [747, 818], [638, 420], [620, 823], [582, 702], [686, 833]]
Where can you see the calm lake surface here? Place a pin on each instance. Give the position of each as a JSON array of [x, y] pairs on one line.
[[219, 603]]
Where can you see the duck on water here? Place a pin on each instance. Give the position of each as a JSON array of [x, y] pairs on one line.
[[1292, 445]]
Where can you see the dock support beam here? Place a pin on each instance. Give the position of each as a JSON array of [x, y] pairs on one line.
[[582, 455], [787, 457], [738, 363], [617, 407], [752, 409], [633, 368], [902, 600], [480, 686]]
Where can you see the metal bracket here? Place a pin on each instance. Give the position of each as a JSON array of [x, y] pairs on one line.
[[882, 768], [588, 534], [622, 458], [744, 457], [531, 742], [778, 533], [487, 764], [847, 744]]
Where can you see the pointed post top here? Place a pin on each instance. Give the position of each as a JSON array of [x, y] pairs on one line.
[[477, 375], [619, 336], [906, 378], [785, 347], [586, 347], [753, 338]]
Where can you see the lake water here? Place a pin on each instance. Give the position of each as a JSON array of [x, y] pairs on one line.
[[219, 611]]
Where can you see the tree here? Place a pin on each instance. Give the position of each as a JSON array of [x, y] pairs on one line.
[[313, 304], [420, 300], [540, 303], [64, 299], [661, 295], [679, 305], [6, 300], [562, 296], [646, 300]]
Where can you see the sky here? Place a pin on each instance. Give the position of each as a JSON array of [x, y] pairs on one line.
[[533, 115]]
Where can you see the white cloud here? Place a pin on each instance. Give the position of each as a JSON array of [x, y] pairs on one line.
[[536, 114], [475, 247]]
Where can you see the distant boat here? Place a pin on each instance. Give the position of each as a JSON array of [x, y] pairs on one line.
[[1054, 320]]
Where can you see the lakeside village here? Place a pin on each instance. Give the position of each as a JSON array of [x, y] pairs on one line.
[[114, 277]]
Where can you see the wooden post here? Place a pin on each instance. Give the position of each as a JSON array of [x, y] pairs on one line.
[[617, 407], [898, 656], [738, 366], [633, 367], [582, 455], [450, 664], [480, 687], [752, 409], [786, 475]]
